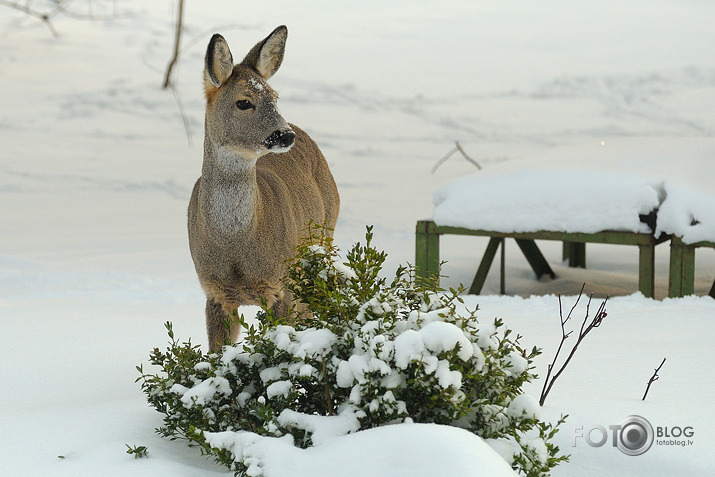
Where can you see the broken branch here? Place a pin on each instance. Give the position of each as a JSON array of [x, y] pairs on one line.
[[653, 379], [456, 148]]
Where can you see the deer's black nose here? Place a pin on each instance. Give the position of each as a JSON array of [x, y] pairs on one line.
[[287, 138], [280, 139]]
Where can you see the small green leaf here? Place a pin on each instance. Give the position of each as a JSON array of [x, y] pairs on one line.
[[137, 451]]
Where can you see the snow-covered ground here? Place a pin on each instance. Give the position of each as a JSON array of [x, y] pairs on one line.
[[96, 170]]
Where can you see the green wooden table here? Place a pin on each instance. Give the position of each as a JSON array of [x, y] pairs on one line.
[[427, 261]]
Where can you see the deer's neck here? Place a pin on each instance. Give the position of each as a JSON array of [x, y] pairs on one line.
[[229, 196]]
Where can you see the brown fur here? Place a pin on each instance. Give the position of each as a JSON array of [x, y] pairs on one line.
[[251, 206]]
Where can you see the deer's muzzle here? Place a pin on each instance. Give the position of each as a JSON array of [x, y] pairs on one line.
[[280, 139]]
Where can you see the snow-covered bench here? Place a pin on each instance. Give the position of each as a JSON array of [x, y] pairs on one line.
[[575, 206], [427, 251]]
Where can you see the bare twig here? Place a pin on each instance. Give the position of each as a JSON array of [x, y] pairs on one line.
[[81, 16], [57, 7], [167, 76], [456, 148], [653, 378], [459, 148], [177, 41], [564, 336], [184, 119], [583, 331], [44, 17]]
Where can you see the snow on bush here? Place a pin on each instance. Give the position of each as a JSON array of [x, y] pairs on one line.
[[369, 353]]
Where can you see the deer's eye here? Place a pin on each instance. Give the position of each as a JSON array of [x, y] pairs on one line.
[[244, 104]]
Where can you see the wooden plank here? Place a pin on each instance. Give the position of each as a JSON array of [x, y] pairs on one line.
[[420, 250], [579, 259], [609, 236], [502, 268], [710, 245], [688, 275], [484, 266], [426, 253], [681, 277], [535, 258], [575, 254], [675, 288], [646, 270], [703, 244]]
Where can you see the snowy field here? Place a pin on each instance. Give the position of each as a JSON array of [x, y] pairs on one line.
[[96, 169]]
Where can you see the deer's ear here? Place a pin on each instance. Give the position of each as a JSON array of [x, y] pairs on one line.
[[266, 57], [219, 62]]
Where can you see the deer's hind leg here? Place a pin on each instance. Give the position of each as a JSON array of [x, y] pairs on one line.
[[216, 325]]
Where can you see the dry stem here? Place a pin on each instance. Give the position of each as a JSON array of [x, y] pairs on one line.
[[584, 330], [653, 378]]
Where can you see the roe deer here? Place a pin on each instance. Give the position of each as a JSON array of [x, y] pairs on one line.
[[262, 182]]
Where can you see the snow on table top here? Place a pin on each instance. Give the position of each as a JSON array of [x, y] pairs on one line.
[[540, 199], [591, 188]]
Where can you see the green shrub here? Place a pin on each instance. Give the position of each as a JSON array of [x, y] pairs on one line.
[[369, 353]]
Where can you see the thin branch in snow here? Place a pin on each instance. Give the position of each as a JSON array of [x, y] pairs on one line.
[[653, 378], [583, 331]]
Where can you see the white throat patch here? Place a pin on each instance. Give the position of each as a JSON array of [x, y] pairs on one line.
[[230, 160], [232, 202]]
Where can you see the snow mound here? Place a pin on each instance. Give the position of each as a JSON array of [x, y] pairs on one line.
[[422, 449]]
